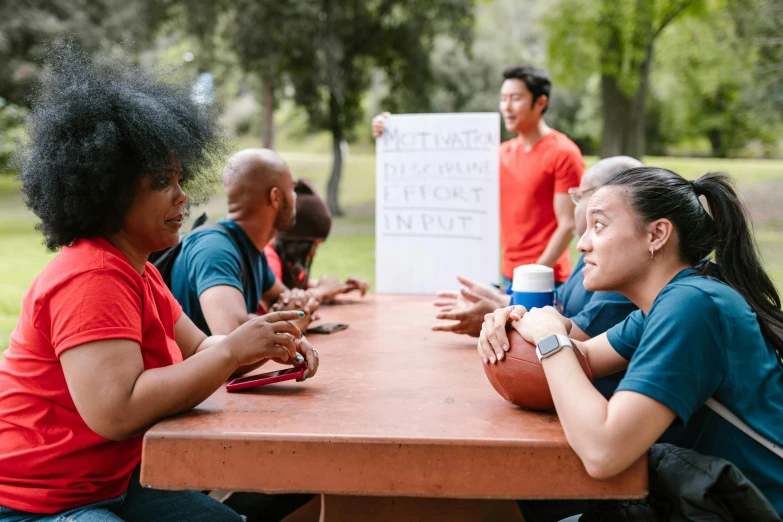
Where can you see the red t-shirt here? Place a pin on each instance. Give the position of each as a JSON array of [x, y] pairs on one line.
[[273, 261], [528, 183], [50, 460]]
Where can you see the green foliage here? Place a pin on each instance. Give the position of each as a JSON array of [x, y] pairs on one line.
[[346, 40], [11, 132], [717, 66], [702, 72], [327, 51], [27, 27], [468, 77], [613, 37]]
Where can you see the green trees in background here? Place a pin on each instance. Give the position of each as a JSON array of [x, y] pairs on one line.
[[702, 71], [26, 27], [705, 76], [630, 76], [351, 38], [616, 39], [328, 49]]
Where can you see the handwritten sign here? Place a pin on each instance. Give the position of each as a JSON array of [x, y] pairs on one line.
[[436, 201]]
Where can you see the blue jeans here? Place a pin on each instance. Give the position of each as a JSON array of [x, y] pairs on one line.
[[137, 504]]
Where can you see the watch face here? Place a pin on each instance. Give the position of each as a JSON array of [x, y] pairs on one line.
[[548, 344]]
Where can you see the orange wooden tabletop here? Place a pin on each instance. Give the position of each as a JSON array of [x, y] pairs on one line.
[[395, 409]]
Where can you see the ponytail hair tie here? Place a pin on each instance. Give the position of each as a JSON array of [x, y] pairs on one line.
[[696, 187]]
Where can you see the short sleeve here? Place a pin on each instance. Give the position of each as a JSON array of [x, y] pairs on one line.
[[93, 306], [626, 336], [603, 311], [680, 361], [176, 309], [569, 167], [213, 260]]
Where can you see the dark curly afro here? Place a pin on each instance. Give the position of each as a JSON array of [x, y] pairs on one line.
[[95, 128]]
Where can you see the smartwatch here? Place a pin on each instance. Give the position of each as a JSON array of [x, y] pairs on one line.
[[551, 344]]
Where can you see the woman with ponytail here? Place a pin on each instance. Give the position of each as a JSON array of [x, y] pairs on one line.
[[702, 330]]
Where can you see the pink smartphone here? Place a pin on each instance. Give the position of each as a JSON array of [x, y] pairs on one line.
[[265, 378]]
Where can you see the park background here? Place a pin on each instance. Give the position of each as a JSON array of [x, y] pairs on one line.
[[689, 85]]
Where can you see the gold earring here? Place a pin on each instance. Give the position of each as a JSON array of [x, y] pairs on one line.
[[652, 254]]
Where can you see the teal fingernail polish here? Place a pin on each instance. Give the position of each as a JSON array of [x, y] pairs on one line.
[[313, 368], [301, 314], [299, 358]]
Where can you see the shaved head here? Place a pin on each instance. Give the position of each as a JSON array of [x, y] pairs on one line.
[[248, 181], [604, 169], [593, 178]]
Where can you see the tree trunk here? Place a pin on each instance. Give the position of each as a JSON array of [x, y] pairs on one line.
[[269, 113], [717, 143], [624, 116], [335, 126]]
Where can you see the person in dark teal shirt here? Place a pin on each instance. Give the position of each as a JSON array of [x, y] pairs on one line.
[[722, 354], [210, 258], [701, 332], [206, 277]]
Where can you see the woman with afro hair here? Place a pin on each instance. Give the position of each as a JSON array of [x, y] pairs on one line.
[[102, 351]]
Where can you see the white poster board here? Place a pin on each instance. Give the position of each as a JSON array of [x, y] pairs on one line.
[[437, 202]]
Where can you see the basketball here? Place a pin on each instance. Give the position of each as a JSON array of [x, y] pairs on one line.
[[520, 379]]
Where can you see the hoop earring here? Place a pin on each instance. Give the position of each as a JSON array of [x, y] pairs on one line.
[[652, 254]]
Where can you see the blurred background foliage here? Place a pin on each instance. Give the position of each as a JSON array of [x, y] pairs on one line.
[[664, 77]]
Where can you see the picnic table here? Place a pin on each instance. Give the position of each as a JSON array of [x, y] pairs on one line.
[[400, 423]]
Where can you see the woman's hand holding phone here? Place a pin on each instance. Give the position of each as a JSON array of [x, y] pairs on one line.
[[311, 361], [309, 358], [270, 336]]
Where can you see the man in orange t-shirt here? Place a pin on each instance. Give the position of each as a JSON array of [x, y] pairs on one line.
[[536, 170]]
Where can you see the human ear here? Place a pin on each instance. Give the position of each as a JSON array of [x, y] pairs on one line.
[[659, 232], [541, 102], [274, 197]]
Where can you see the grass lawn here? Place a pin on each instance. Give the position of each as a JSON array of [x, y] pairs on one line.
[[350, 249]]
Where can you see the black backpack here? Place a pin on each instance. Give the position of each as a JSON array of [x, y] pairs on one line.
[[164, 259]]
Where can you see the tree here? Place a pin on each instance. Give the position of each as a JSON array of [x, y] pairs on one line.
[[468, 78], [264, 34], [347, 39], [703, 74], [615, 38], [27, 27], [327, 49]]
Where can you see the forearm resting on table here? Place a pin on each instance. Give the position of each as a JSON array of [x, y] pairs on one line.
[[608, 436], [161, 392], [215, 340]]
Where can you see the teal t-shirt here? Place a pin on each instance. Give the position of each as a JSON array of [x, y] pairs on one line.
[[210, 258], [699, 340]]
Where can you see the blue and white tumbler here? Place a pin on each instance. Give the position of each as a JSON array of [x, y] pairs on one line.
[[533, 286]]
